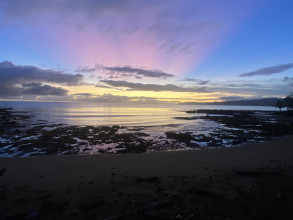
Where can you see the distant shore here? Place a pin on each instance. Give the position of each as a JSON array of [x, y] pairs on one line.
[[206, 182]]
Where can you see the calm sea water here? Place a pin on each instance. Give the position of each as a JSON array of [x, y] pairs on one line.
[[114, 114], [154, 121]]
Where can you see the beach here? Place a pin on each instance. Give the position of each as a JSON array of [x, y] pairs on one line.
[[250, 181], [146, 110]]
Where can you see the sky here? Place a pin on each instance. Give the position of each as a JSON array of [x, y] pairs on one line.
[[145, 51]]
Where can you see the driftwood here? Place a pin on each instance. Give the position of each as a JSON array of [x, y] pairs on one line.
[[167, 202]]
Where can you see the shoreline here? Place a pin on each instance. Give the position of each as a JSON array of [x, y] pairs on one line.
[[158, 151], [179, 162], [198, 184]]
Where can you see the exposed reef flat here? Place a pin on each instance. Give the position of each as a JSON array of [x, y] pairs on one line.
[[24, 135]]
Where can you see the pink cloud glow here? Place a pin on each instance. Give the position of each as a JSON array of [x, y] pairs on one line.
[[172, 36]]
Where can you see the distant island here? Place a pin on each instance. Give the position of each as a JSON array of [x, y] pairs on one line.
[[250, 102]]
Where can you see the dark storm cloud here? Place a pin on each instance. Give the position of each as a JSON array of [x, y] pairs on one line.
[[268, 70], [14, 74], [152, 87]]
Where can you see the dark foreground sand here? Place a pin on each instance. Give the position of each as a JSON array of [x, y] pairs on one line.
[[253, 181]]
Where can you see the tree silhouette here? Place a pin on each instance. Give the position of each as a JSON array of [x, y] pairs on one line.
[[280, 104], [289, 102]]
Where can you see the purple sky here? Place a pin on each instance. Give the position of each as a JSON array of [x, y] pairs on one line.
[[190, 50]]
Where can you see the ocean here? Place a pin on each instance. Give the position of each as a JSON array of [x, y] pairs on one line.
[[66, 128], [125, 114]]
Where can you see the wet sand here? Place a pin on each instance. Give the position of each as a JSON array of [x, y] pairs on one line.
[[246, 182]]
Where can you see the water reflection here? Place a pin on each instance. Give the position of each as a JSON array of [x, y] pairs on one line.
[[113, 113]]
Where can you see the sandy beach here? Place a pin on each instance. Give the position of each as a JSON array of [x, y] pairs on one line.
[[251, 181]]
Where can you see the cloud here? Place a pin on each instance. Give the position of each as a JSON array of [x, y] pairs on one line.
[[95, 9], [14, 74], [232, 98], [17, 80], [138, 72], [44, 90], [85, 69], [83, 94], [125, 71], [169, 35], [104, 86], [289, 80], [109, 98], [152, 87], [35, 89], [269, 70], [198, 81], [161, 22], [256, 88]]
